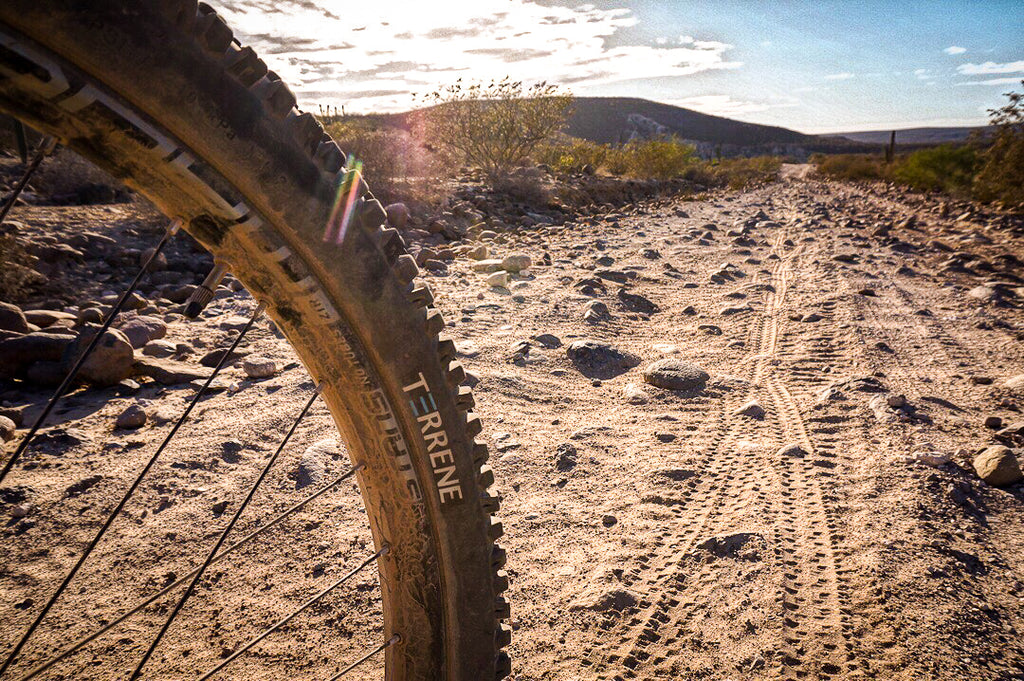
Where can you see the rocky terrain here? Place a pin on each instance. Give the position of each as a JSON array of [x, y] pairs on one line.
[[759, 435]]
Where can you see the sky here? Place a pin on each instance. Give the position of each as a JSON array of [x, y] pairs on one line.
[[816, 67]]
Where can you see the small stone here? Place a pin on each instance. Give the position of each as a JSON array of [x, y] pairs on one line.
[[256, 366], [998, 466], [490, 265], [219, 508], [110, 361], [791, 450], [131, 418], [674, 374], [498, 279], [167, 371], [434, 265], [993, 422], [21, 510], [608, 520], [753, 409], [896, 401], [548, 340], [933, 459], [516, 262], [634, 394], [143, 329], [596, 359], [614, 600], [312, 466], [480, 252], [160, 349], [566, 457], [1016, 384]]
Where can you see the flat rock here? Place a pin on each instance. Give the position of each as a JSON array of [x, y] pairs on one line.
[[674, 374], [597, 359], [168, 371], [635, 302], [515, 262], [998, 466], [753, 409], [160, 349], [142, 329], [498, 279], [612, 600], [791, 450]]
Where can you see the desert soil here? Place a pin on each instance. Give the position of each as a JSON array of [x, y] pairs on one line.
[[651, 533]]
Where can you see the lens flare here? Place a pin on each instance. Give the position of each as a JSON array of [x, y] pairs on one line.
[[344, 201]]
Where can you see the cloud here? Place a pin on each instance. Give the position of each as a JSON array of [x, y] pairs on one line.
[[725, 105], [317, 53], [840, 76], [991, 81], [990, 67], [954, 49]]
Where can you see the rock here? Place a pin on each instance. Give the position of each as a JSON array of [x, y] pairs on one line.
[[142, 329], [548, 340], [490, 265], [498, 279], [933, 459], [636, 303], [110, 361], [998, 466], [710, 329], [219, 507], [159, 349], [811, 318], [434, 265], [167, 371], [791, 450], [46, 373], [90, 315], [608, 520], [7, 429], [481, 252], [58, 440], [312, 467], [46, 318], [12, 318], [131, 418], [634, 394], [742, 545], [566, 457], [83, 486], [398, 215], [735, 309], [516, 262], [674, 374], [993, 422], [21, 510], [753, 409], [595, 311], [212, 358], [1016, 384], [18, 353], [596, 359], [896, 401], [649, 253], [256, 366], [614, 600]]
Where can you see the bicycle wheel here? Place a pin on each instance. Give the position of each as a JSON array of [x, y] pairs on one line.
[[161, 96]]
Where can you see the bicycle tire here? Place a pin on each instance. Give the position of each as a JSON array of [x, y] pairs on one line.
[[220, 144]]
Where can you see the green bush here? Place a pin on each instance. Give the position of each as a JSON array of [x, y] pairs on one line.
[[653, 159], [852, 167], [946, 168], [1001, 176], [573, 155]]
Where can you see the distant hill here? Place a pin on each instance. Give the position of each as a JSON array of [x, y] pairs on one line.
[[922, 136], [616, 120]]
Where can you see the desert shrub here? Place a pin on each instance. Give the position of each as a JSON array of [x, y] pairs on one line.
[[1001, 175], [853, 167], [572, 155], [947, 168], [740, 173], [653, 159], [396, 166], [494, 127]]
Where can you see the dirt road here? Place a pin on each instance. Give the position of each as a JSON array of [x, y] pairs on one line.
[[652, 534]]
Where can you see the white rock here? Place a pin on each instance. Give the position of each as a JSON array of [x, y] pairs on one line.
[[634, 394], [515, 262], [498, 279], [490, 265]]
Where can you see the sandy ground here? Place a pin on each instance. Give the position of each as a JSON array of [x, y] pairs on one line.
[[683, 540]]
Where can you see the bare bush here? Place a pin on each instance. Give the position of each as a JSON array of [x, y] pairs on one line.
[[494, 127]]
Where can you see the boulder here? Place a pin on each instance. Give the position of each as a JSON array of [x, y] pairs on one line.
[[110, 361], [45, 318], [998, 466], [20, 352], [674, 374], [398, 215], [7, 429], [596, 359], [13, 319], [142, 329]]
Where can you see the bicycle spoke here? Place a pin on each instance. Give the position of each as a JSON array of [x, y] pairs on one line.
[[387, 644], [280, 623], [127, 495], [45, 147], [291, 510], [171, 230], [223, 536]]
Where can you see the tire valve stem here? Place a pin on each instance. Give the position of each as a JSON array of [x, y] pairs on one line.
[[203, 294]]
